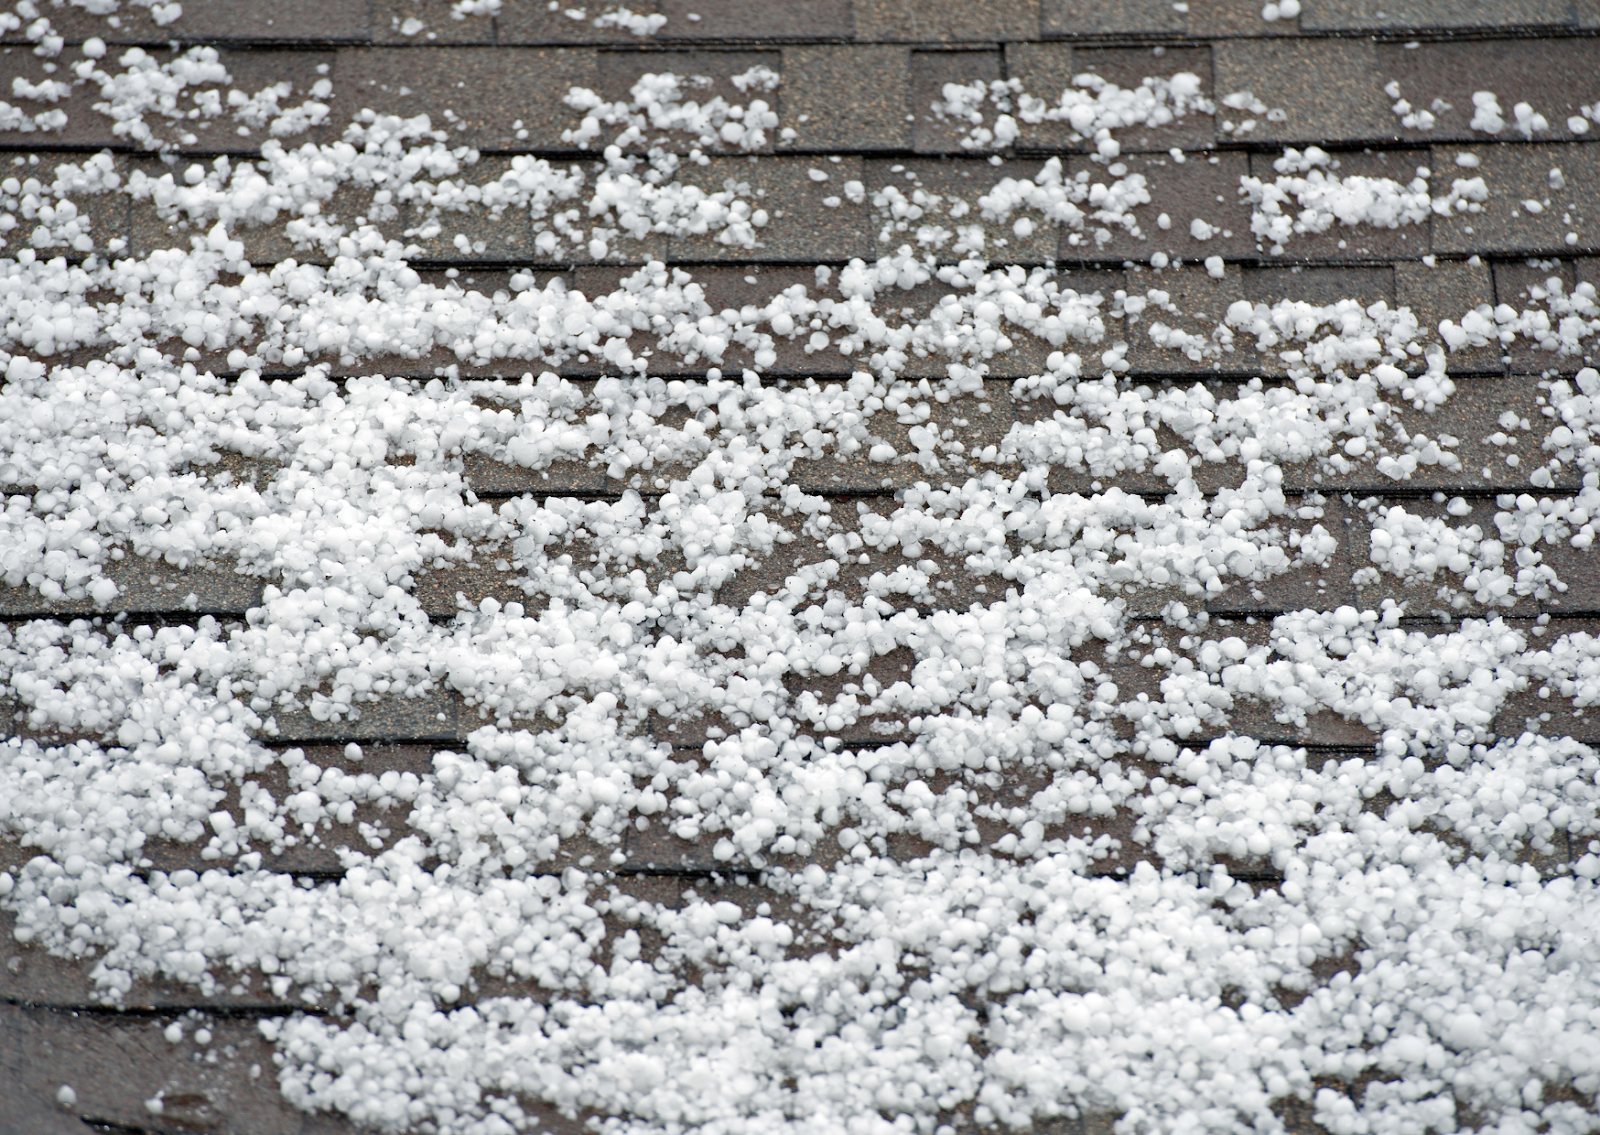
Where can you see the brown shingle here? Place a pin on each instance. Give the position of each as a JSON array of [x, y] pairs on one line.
[[213, 21], [474, 234], [1321, 586], [485, 91], [1319, 285], [1200, 188], [107, 213], [538, 23], [800, 226], [437, 716], [745, 19], [1515, 174], [116, 1063], [958, 179], [250, 70], [854, 97], [1202, 303], [147, 586], [1349, 15], [1448, 290], [1362, 241], [1220, 18], [1128, 67], [939, 21], [1524, 284], [619, 71], [930, 71], [1328, 90], [1444, 596], [292, 20], [1044, 70], [423, 22], [1553, 75], [1494, 455], [1111, 17], [1047, 69]]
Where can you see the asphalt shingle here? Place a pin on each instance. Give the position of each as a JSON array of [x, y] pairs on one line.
[[739, 19], [858, 79], [1448, 290], [1526, 211], [477, 94], [211, 21], [1351, 15], [1364, 241], [424, 22], [938, 21], [800, 226], [1202, 187], [1327, 90], [847, 97], [1554, 76], [938, 133], [1073, 18]]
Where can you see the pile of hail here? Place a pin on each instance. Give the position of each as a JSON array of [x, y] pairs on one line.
[[1019, 893]]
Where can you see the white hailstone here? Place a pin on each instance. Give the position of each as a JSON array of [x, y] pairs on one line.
[[1318, 199], [66, 1096], [1098, 988], [1091, 108]]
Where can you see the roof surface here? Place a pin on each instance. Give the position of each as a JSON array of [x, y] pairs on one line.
[[858, 81]]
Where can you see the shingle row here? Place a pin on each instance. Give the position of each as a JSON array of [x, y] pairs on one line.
[[865, 21], [867, 97]]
